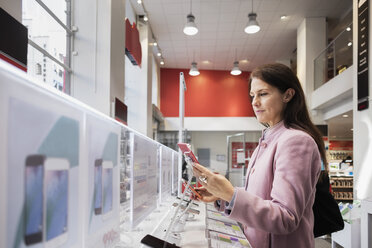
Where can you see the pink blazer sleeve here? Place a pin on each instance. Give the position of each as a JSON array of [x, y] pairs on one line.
[[296, 166]]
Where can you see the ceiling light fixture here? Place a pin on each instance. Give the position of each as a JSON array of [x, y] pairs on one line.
[[194, 69], [345, 116], [159, 54], [162, 62], [139, 1], [155, 43], [190, 27], [283, 17], [235, 70], [348, 29], [252, 26], [145, 18], [349, 44]]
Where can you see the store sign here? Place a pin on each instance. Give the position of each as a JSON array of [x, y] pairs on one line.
[[132, 43], [363, 80]]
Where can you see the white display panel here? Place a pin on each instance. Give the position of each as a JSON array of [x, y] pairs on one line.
[[166, 172], [41, 146], [102, 215], [144, 183], [125, 176], [175, 179]]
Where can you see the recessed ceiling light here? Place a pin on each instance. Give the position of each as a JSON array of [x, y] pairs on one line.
[[348, 29], [162, 62], [139, 1], [155, 43], [244, 61], [352, 129], [349, 44], [345, 116], [145, 18], [206, 61], [159, 54], [283, 17]]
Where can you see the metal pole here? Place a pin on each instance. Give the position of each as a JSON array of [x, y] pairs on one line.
[[182, 86]]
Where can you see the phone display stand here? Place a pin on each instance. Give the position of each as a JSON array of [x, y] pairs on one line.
[[183, 217]]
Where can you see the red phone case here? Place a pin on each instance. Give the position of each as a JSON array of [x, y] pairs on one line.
[[187, 152], [193, 190]]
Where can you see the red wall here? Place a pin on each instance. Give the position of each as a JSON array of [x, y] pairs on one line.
[[211, 94]]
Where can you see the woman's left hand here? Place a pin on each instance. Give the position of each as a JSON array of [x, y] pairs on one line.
[[216, 184]]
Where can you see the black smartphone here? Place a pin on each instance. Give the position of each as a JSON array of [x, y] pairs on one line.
[[98, 186], [155, 242], [34, 175]]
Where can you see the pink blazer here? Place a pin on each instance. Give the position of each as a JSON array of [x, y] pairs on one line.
[[275, 207]]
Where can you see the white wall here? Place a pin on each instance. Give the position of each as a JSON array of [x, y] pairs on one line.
[[336, 96], [214, 124], [13, 8], [155, 82], [311, 40], [138, 82], [117, 50], [362, 122], [90, 82]]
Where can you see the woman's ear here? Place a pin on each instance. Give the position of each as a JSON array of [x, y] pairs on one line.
[[288, 95]]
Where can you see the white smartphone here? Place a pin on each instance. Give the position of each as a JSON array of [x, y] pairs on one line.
[[98, 186], [34, 174], [107, 189], [56, 181]]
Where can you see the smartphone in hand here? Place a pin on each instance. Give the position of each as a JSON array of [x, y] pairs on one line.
[[186, 150], [192, 190]]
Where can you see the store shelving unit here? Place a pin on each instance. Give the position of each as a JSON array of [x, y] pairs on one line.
[[342, 188]]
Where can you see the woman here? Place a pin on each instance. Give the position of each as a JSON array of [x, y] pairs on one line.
[[275, 206]]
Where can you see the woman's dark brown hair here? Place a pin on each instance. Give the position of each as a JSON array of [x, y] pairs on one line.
[[296, 114]]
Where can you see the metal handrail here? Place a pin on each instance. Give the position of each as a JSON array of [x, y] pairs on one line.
[[332, 42], [43, 51], [68, 30]]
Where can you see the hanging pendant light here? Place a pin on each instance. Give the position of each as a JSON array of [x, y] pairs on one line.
[[235, 70], [190, 27], [252, 26], [194, 70]]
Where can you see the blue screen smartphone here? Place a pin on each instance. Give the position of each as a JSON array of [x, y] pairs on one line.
[[34, 174], [56, 201], [98, 186], [107, 181]]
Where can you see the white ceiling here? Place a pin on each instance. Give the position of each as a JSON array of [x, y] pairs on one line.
[[221, 26]]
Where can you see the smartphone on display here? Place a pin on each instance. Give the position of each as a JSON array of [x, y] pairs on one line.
[[98, 186], [186, 150], [192, 189], [156, 242], [34, 174], [107, 182], [56, 180]]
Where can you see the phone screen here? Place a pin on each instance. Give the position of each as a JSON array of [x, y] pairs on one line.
[[56, 193], [34, 202], [107, 189], [98, 187]]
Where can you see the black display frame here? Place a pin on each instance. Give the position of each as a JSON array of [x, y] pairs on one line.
[[363, 55]]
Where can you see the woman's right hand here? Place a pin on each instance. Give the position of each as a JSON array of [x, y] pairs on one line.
[[205, 195]]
